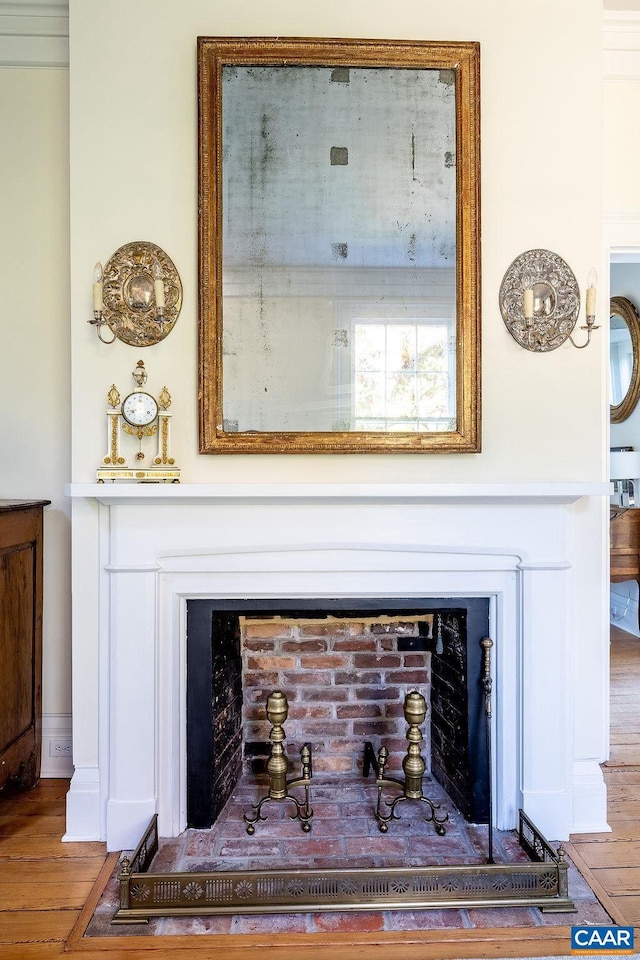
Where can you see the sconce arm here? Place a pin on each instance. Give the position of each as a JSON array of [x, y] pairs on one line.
[[98, 322], [589, 327]]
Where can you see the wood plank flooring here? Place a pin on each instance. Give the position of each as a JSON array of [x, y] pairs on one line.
[[45, 884], [612, 860]]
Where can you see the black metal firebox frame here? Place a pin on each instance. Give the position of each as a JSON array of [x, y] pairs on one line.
[[542, 883], [214, 755]]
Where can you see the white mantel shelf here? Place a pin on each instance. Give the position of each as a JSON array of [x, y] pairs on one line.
[[444, 493]]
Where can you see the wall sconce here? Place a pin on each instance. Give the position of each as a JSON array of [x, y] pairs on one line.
[[137, 296], [625, 473], [540, 301]]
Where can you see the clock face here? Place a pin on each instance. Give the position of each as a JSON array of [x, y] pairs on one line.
[[139, 409]]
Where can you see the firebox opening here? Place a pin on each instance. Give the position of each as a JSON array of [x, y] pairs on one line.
[[345, 666]]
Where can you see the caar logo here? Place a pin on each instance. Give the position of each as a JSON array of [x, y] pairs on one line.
[[595, 940]]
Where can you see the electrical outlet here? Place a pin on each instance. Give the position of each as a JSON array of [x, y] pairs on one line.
[[60, 748]]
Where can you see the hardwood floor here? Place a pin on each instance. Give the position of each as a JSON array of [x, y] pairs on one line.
[[45, 884], [612, 860]]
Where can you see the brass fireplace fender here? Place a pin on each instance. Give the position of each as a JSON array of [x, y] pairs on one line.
[[542, 883]]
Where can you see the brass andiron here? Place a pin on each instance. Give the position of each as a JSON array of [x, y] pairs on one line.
[[279, 786], [415, 711]]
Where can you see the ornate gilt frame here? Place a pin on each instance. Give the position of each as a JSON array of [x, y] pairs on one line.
[[464, 59], [629, 314]]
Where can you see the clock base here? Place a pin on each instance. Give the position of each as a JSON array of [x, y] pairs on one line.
[[158, 475]]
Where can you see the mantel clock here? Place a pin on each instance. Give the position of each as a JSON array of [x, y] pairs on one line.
[[142, 416]]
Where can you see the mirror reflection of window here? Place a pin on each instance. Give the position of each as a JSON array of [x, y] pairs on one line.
[[402, 376], [395, 365]]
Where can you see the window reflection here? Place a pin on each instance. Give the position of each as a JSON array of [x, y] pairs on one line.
[[402, 375]]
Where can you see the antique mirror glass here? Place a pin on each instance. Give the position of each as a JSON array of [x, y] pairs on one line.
[[339, 234], [624, 342]]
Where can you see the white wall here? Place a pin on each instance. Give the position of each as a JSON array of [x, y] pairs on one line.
[[34, 428], [621, 102], [134, 176]]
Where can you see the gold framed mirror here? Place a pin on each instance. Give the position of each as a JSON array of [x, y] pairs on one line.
[[339, 246], [624, 362]]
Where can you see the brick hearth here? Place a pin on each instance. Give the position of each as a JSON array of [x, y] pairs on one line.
[[344, 835]]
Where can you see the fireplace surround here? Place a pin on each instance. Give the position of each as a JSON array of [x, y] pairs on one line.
[[154, 547]]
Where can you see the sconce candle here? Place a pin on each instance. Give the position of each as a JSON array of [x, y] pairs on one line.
[[590, 304], [527, 302], [97, 288], [98, 320], [158, 285]]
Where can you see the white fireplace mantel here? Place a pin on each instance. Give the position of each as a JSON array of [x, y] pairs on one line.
[[114, 493], [140, 551]]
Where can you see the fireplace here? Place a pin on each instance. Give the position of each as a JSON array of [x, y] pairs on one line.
[[346, 667], [156, 548]]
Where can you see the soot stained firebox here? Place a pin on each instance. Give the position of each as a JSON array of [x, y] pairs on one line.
[[447, 632]]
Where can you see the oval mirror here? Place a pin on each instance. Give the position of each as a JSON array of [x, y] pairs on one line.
[[623, 358]]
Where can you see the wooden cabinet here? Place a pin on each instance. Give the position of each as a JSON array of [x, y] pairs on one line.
[[21, 523], [625, 544]]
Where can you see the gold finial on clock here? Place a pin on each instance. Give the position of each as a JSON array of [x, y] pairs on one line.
[[140, 374]]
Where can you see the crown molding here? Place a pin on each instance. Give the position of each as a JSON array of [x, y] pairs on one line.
[[34, 34], [621, 45], [621, 216]]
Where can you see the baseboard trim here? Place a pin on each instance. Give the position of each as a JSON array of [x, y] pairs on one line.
[[589, 808], [83, 806]]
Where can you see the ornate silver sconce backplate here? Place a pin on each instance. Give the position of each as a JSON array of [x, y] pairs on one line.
[[130, 308], [556, 300]]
